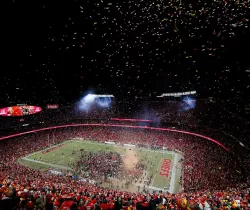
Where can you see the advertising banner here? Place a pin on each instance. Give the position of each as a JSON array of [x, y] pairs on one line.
[[16, 111]]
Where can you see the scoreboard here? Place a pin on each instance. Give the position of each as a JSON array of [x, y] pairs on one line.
[[19, 110]]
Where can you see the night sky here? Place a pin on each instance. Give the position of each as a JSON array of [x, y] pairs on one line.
[[56, 51]]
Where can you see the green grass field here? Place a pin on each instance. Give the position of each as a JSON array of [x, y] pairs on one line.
[[61, 158]]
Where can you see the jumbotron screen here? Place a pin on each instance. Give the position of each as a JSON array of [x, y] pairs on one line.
[[19, 110]]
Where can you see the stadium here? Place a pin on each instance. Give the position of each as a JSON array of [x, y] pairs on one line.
[[122, 158], [125, 105]]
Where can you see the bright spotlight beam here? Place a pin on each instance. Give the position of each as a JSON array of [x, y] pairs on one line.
[[90, 99]]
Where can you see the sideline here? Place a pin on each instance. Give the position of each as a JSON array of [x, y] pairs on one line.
[[42, 150], [48, 164], [173, 175]]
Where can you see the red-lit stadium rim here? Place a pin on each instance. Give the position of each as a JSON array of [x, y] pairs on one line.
[[124, 126]]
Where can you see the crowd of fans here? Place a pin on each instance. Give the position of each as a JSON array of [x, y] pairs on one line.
[[213, 175], [183, 34], [198, 153], [103, 165], [162, 113], [99, 165]]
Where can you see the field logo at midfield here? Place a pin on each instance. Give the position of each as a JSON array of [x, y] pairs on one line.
[[165, 168]]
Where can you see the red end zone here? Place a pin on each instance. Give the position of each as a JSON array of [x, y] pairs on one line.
[[165, 168]]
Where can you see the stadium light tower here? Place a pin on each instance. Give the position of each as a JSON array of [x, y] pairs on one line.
[[178, 94], [102, 96]]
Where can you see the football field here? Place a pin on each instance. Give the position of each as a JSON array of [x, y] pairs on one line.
[[163, 166]]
